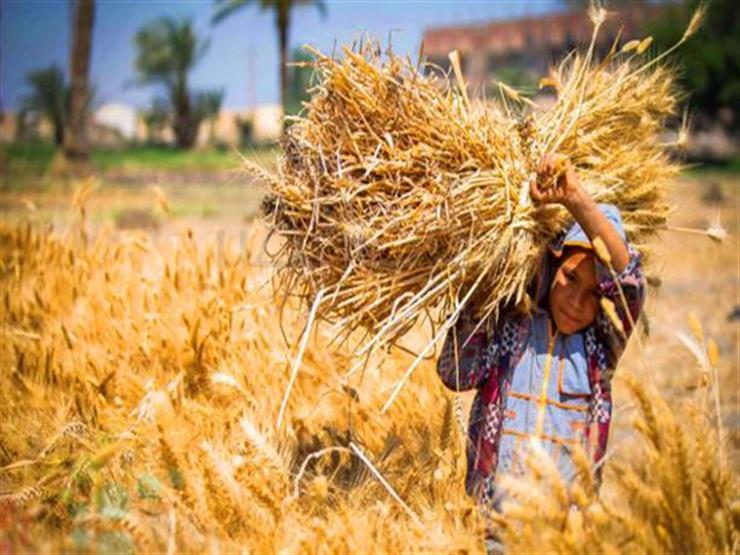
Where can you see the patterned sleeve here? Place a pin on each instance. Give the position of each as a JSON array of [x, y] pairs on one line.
[[606, 344], [462, 364]]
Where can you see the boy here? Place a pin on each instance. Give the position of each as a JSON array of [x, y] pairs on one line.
[[548, 375]]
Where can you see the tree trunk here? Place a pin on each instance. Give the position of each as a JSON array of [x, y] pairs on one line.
[[76, 146], [185, 128], [58, 125], [283, 24]]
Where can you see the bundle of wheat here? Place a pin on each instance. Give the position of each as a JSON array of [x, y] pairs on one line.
[[397, 198]]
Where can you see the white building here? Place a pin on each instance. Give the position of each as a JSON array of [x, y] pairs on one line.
[[119, 117]]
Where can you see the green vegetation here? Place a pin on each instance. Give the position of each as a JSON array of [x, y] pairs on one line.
[[710, 61], [730, 167], [34, 158], [49, 98], [163, 158]]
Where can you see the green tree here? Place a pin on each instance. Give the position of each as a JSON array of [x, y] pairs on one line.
[[710, 61], [49, 98], [282, 9], [167, 50], [76, 146]]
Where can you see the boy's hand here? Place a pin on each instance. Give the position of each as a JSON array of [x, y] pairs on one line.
[[556, 183]]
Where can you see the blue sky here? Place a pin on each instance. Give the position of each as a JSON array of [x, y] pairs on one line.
[[243, 55]]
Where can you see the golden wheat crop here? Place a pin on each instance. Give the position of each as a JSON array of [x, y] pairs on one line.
[[141, 384]]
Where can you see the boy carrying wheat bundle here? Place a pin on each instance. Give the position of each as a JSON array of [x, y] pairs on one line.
[[547, 376], [504, 225]]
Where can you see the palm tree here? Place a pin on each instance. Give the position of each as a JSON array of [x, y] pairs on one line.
[[49, 98], [167, 51], [282, 9], [76, 146]]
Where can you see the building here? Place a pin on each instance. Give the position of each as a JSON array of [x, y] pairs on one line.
[[529, 45], [119, 117], [261, 124]]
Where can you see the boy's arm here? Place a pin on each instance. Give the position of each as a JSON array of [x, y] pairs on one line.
[[568, 192], [593, 221], [461, 364]]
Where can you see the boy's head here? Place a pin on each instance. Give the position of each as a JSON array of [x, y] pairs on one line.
[[574, 294]]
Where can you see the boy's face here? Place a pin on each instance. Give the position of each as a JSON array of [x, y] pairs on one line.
[[574, 295]]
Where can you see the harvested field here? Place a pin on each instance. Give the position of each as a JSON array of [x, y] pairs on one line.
[[142, 380]]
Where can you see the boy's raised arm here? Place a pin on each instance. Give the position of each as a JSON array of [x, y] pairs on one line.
[[568, 192]]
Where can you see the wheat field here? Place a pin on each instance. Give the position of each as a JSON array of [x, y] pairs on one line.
[[143, 373]]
